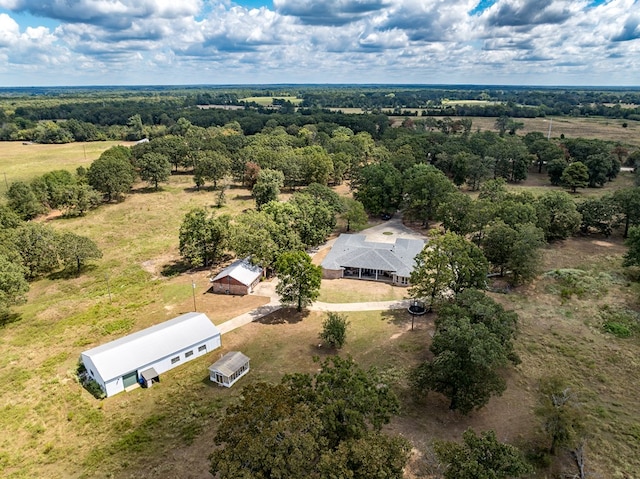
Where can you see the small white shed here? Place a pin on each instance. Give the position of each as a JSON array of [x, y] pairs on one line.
[[229, 368], [146, 354]]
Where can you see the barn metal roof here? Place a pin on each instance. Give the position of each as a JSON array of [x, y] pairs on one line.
[[144, 347], [229, 363], [354, 251], [241, 270]]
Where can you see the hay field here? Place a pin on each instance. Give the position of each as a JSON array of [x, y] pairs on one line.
[[22, 161]]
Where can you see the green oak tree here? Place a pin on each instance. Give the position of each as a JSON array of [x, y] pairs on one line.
[[23, 201], [449, 262], [314, 219], [112, 173], [210, 166], [557, 215], [480, 457], [75, 250], [627, 201], [466, 366], [555, 168], [154, 168], [267, 187], [599, 214], [575, 175], [13, 285], [203, 238], [299, 279], [425, 187], [37, 245], [632, 256], [378, 186], [353, 214], [320, 426]]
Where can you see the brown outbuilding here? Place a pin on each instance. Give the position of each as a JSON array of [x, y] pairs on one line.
[[240, 277]]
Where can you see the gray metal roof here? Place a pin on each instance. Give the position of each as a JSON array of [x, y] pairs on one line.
[[229, 363], [136, 350], [354, 251], [241, 270], [149, 374]]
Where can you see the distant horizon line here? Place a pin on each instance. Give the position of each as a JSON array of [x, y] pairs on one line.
[[335, 85]]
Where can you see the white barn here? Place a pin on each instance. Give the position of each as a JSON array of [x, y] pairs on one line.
[[146, 354]]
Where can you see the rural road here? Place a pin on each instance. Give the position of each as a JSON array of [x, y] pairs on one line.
[[383, 232]]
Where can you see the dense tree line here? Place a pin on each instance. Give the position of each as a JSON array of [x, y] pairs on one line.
[[87, 116]]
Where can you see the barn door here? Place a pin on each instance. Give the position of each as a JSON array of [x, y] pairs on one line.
[[130, 379]]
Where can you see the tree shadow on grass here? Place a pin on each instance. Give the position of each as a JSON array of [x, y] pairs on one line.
[[8, 318], [284, 316], [402, 317], [70, 273], [145, 190], [175, 268]]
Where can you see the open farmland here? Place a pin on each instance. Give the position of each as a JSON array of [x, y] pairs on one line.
[[56, 429], [21, 161], [600, 128]]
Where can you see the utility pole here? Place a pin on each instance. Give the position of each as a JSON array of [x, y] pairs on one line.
[[108, 287], [193, 288]]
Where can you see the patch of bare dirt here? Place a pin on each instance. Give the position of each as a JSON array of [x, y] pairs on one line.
[[154, 266]]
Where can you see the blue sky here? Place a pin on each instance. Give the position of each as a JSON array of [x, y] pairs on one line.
[[532, 42]]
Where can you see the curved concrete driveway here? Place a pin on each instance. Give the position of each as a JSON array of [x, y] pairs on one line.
[[275, 305], [385, 232]]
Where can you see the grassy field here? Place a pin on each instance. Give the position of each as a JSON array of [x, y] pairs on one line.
[[53, 428], [601, 128], [21, 161]]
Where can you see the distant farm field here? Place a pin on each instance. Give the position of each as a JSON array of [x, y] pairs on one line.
[[22, 161], [600, 128]]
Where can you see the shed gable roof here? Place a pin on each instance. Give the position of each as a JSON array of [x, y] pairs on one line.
[[136, 350], [241, 270], [229, 363]]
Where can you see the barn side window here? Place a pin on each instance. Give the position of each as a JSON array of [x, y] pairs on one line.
[[202, 348], [175, 360], [188, 353]]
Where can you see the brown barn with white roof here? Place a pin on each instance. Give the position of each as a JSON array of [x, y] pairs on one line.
[[240, 277]]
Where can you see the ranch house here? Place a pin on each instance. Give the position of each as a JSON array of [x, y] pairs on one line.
[[142, 356], [352, 256], [240, 277]]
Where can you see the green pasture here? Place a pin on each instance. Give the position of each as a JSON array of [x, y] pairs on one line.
[[22, 161]]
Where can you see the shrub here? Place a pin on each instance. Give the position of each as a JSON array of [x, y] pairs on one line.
[[334, 330], [622, 323]]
